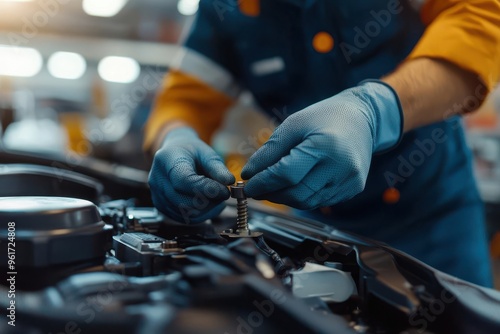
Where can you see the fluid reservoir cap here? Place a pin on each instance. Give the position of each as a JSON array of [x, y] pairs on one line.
[[42, 213], [315, 280]]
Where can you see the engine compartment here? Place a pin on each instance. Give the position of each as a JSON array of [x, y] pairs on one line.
[[116, 266]]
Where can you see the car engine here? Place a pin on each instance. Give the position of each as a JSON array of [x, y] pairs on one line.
[[78, 259]]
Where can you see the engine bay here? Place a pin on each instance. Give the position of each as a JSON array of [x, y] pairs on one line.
[[84, 262]]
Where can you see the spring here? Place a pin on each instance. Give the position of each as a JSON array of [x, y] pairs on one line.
[[242, 220]]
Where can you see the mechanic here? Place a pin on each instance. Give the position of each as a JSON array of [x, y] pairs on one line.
[[373, 142]]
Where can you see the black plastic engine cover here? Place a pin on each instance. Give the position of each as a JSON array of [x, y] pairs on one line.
[[52, 230], [32, 180]]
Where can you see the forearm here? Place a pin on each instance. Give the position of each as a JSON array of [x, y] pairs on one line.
[[432, 90], [185, 101]]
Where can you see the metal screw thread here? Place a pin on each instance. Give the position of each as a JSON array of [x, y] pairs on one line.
[[242, 220]]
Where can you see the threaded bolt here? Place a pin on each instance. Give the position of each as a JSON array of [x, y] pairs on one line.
[[242, 208]]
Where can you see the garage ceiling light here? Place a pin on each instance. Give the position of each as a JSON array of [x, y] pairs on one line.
[[119, 69], [188, 7], [19, 61], [67, 65], [103, 8]]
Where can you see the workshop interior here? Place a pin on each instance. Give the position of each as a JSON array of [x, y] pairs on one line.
[[85, 250]]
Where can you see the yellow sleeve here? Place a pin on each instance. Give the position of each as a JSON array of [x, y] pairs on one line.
[[185, 98], [465, 33]]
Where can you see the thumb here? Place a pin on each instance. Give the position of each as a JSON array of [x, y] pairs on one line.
[[278, 146]]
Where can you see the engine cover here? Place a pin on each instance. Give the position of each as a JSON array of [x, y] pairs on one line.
[[52, 232]]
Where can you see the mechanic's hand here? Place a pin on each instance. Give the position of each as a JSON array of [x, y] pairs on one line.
[[188, 179], [321, 155]]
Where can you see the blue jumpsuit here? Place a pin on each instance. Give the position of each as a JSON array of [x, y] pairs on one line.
[[439, 218]]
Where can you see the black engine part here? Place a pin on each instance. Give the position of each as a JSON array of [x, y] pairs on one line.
[[52, 235], [32, 180], [83, 269]]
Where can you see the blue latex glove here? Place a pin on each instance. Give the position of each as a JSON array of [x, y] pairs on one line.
[[188, 179], [321, 155]]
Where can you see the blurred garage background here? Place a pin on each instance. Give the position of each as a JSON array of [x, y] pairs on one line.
[[78, 78]]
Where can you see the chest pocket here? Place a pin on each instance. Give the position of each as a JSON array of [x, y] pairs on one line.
[[367, 28]]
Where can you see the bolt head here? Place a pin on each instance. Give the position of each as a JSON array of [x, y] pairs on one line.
[[237, 190]]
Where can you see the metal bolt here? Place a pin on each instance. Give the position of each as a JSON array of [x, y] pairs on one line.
[[242, 230], [242, 208]]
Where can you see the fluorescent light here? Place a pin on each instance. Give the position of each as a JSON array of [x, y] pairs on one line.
[[19, 61], [119, 69], [188, 7], [66, 65], [103, 8]]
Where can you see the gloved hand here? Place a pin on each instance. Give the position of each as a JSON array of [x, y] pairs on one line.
[[188, 179], [321, 155]]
